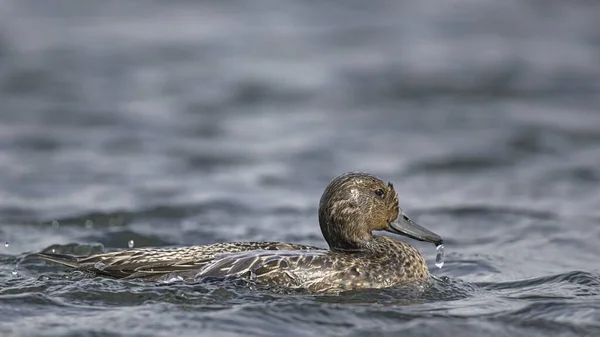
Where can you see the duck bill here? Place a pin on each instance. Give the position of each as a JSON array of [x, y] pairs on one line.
[[405, 226]]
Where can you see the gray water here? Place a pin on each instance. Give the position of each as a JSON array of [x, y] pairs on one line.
[[182, 122]]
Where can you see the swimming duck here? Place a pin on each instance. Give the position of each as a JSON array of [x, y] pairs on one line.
[[352, 206]]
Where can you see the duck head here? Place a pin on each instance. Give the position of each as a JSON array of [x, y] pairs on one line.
[[356, 204]]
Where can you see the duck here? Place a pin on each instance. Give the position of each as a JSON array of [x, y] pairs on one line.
[[352, 207]]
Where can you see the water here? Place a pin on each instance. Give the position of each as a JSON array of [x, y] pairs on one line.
[[440, 256], [186, 123]]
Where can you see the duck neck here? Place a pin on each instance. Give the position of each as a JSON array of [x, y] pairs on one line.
[[350, 237]]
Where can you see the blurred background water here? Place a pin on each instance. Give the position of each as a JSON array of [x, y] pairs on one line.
[[183, 122]]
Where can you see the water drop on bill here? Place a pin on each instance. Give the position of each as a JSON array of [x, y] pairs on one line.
[[439, 257]]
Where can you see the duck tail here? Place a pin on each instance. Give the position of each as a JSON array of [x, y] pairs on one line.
[[64, 259]]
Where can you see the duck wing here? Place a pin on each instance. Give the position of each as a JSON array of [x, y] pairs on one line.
[[152, 263], [309, 268]]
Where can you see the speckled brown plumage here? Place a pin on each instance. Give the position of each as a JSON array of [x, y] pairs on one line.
[[352, 206]]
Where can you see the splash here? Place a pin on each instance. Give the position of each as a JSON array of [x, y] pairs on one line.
[[439, 258], [172, 280]]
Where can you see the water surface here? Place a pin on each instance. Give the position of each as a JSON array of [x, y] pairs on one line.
[[191, 123]]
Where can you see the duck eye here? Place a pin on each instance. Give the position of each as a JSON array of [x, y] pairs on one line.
[[380, 192]]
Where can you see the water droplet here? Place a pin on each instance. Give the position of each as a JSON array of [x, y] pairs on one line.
[[55, 224], [99, 265], [6, 244], [439, 258], [15, 272], [252, 275], [89, 224], [130, 244]]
